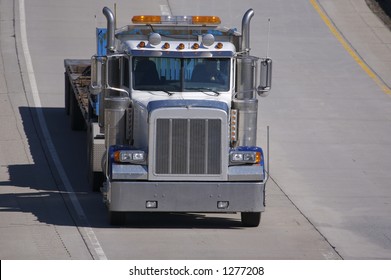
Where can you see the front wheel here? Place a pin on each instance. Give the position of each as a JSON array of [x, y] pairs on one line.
[[251, 219]]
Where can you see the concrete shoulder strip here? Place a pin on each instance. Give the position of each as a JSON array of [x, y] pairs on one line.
[[349, 48]]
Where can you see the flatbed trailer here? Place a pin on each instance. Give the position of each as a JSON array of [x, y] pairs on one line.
[[77, 82]]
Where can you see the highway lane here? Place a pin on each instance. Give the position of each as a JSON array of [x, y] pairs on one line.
[[328, 123], [157, 236], [339, 173], [331, 126]]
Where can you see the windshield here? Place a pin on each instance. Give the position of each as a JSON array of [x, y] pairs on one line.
[[181, 74]]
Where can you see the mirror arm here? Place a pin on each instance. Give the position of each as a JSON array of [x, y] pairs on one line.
[[117, 89]]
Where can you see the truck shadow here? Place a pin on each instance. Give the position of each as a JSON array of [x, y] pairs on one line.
[[37, 187], [180, 220]]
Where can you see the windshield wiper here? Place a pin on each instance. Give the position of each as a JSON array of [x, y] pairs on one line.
[[204, 89]]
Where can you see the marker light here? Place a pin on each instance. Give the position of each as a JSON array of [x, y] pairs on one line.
[[166, 46], [234, 127], [206, 20], [222, 204], [141, 44], [151, 204], [258, 157], [219, 45], [181, 46], [196, 46], [146, 19]]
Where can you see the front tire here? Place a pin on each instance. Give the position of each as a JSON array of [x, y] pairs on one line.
[[251, 219]]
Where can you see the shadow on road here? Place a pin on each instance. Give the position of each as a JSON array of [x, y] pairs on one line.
[[381, 8]]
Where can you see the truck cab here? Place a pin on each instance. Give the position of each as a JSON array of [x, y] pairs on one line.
[[172, 117]]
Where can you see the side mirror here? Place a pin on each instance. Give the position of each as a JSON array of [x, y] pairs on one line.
[[265, 77], [103, 70], [112, 73]]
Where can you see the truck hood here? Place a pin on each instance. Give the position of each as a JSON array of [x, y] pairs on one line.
[[146, 99]]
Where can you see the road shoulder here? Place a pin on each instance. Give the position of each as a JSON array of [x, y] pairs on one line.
[[365, 32]]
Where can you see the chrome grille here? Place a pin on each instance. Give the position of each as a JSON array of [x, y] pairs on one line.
[[188, 146]]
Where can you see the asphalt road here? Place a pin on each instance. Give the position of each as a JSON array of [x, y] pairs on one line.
[[330, 124]]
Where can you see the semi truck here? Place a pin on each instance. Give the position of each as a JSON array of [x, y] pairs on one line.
[[170, 107]]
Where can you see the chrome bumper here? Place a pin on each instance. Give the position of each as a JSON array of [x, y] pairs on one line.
[[132, 196]]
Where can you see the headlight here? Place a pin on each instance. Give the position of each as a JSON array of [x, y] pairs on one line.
[[236, 157], [129, 156], [243, 157]]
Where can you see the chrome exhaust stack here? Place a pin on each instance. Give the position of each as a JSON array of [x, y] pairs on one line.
[[246, 31], [246, 64], [245, 101], [253, 77], [110, 29]]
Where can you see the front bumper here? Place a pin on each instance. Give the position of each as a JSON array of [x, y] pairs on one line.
[[125, 196]]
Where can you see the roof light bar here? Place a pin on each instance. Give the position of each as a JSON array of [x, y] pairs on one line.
[[197, 20], [176, 19]]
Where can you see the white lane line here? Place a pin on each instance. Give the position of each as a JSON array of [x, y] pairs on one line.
[[93, 240]]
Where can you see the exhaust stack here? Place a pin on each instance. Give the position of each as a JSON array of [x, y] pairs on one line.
[[245, 102], [246, 30], [110, 29]]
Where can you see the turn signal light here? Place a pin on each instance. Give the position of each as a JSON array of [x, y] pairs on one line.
[[206, 20], [258, 157], [146, 19]]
